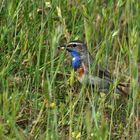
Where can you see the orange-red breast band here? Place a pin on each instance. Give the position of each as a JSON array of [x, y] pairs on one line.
[[80, 72]]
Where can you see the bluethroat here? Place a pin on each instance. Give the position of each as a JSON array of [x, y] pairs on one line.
[[87, 73]]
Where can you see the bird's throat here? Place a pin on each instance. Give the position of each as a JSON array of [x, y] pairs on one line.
[[76, 62]]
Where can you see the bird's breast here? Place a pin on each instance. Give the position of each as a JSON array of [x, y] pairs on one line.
[[81, 73]]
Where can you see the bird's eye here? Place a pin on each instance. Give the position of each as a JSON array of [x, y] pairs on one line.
[[74, 45]]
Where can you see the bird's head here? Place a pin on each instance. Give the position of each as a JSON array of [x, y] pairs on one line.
[[76, 46], [76, 49]]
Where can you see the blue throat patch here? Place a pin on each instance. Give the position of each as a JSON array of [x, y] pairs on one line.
[[76, 60]]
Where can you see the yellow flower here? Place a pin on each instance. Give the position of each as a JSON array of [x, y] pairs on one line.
[[53, 105]]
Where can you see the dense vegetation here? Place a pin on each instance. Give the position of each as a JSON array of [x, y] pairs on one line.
[[40, 97]]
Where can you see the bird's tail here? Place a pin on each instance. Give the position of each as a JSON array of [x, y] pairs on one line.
[[123, 88]]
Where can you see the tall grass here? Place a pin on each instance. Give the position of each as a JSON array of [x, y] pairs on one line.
[[40, 97]]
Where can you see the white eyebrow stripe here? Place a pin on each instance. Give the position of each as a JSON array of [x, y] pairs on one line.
[[76, 43]]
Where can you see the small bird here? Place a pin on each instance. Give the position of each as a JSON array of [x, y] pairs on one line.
[[87, 73]]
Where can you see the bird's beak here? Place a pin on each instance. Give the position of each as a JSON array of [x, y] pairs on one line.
[[62, 47]]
